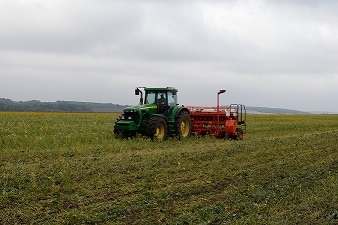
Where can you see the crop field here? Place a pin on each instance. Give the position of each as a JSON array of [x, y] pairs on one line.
[[67, 168]]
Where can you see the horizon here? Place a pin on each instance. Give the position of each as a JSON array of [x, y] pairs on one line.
[[249, 107]]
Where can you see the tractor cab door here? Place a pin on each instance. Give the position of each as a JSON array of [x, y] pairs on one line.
[[162, 102], [172, 99]]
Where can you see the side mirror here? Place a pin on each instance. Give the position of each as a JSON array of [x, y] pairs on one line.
[[139, 92], [174, 92]]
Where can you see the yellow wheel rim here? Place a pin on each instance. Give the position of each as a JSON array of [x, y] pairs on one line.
[[185, 128], [160, 131]]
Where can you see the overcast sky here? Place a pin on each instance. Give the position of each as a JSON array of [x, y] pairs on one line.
[[273, 53]]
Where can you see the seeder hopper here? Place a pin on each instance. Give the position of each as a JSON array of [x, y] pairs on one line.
[[225, 121]]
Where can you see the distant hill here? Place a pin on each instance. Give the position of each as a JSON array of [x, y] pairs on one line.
[[251, 109], [100, 107], [73, 106], [58, 106]]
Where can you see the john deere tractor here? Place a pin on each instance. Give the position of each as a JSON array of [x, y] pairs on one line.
[[157, 116]]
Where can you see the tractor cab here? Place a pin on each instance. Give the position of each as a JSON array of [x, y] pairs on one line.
[[164, 98]]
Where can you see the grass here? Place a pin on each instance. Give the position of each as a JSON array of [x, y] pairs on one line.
[[68, 168]]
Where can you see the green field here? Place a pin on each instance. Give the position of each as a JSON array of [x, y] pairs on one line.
[[68, 168]]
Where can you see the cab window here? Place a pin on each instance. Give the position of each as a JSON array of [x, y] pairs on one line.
[[171, 99], [150, 97], [161, 98]]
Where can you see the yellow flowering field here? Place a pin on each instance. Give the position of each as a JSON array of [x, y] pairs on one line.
[[68, 168], [31, 130]]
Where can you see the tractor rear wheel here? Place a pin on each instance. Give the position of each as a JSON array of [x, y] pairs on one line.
[[183, 125], [157, 128]]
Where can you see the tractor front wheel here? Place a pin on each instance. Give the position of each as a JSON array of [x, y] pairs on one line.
[[183, 125], [157, 128]]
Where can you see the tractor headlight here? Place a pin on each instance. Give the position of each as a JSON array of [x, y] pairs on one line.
[[122, 117], [129, 117]]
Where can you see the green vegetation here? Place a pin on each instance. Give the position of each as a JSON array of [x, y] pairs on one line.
[[68, 168]]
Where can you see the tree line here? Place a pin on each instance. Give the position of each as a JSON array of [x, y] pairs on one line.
[[38, 106], [58, 106]]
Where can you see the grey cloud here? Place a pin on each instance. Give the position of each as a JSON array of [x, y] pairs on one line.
[[193, 45], [66, 26]]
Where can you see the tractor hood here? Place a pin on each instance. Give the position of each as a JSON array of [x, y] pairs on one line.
[[140, 108]]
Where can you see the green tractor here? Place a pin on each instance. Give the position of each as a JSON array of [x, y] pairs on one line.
[[157, 116]]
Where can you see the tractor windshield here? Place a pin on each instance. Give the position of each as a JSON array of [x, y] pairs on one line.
[[150, 97]]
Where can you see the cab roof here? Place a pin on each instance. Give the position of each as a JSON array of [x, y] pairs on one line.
[[161, 89]]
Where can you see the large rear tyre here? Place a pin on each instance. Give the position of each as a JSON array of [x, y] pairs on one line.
[[157, 128], [183, 125]]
